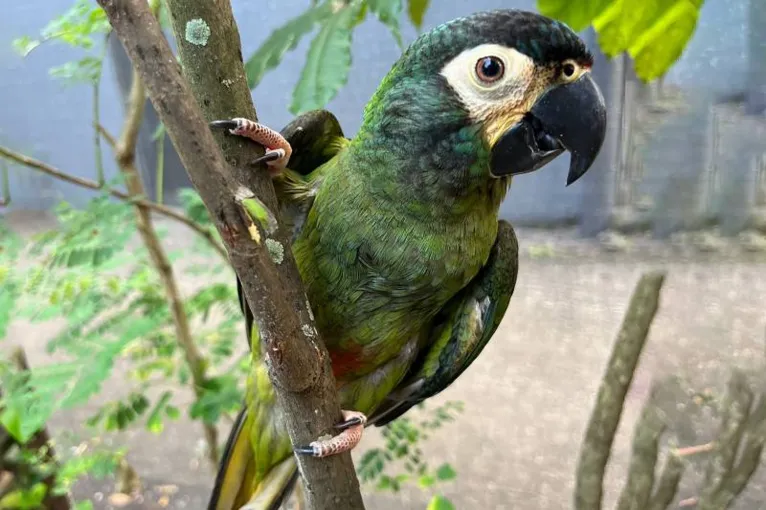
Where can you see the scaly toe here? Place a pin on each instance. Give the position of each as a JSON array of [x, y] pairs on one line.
[[352, 428]]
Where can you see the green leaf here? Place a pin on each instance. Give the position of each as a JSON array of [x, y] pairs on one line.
[[445, 472], [29, 499], [23, 45], [416, 9], [659, 47], [370, 466], [327, 64], [439, 502], [154, 422], [654, 32], [172, 412], [85, 70], [95, 464], [426, 481], [388, 12], [578, 14], [77, 25], [220, 395], [12, 422], [388, 483], [8, 300], [282, 40]]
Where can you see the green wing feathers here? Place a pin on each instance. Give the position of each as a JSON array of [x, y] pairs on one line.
[[461, 331], [237, 483], [316, 138]]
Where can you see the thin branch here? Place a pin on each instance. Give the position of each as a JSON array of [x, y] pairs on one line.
[[89, 184], [597, 446], [125, 153], [96, 111], [159, 168], [112, 141], [298, 362], [667, 486], [5, 185], [638, 488], [724, 480], [739, 398]]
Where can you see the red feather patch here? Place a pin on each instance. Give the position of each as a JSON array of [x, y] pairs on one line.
[[345, 361]]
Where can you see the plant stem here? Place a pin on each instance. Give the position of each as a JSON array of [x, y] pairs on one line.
[[605, 418], [96, 108], [160, 168], [125, 154], [5, 196], [89, 184]]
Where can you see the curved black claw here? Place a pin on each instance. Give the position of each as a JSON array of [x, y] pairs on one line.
[[269, 156], [224, 124], [305, 450], [348, 423]]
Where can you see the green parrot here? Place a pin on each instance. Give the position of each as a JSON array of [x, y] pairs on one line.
[[395, 231]]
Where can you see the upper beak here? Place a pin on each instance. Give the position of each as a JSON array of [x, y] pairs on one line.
[[570, 117]]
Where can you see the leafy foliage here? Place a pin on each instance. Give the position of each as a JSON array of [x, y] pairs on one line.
[[402, 450], [77, 28], [328, 62], [388, 12], [654, 33], [329, 57], [416, 10], [33, 467], [91, 274], [282, 40]]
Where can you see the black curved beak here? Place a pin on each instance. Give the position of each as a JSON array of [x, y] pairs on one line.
[[570, 117]]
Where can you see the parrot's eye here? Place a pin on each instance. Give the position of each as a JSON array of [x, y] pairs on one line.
[[490, 69], [568, 70]]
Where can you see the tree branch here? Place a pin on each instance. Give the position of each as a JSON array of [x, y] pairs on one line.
[[299, 365], [89, 184], [107, 136], [605, 418], [637, 491]]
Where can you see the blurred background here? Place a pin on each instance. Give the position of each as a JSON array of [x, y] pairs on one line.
[[680, 186]]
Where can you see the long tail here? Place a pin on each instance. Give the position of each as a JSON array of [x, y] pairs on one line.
[[235, 488]]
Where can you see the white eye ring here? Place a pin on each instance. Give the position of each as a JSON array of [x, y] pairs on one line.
[[489, 69], [569, 70]]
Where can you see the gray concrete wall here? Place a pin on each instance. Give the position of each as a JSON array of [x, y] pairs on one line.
[[41, 117]]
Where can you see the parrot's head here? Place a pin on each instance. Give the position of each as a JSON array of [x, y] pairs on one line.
[[509, 88]]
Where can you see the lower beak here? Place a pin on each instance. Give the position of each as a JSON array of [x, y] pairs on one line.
[[570, 117]]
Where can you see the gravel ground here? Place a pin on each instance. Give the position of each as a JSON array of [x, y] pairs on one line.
[[528, 397]]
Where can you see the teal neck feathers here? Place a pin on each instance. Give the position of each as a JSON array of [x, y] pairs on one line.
[[435, 160]]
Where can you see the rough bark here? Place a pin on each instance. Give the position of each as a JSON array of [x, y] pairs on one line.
[[299, 365], [610, 400]]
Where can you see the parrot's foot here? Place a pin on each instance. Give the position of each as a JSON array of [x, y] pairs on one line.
[[278, 149], [352, 427]]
